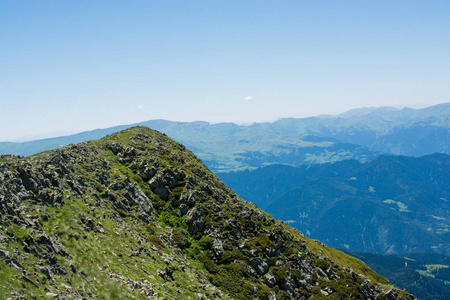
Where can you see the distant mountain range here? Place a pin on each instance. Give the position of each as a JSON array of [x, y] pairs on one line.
[[393, 204], [360, 134]]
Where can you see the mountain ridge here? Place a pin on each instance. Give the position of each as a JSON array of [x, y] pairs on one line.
[[227, 146], [138, 215]]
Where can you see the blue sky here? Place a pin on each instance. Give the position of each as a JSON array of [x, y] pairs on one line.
[[68, 66]]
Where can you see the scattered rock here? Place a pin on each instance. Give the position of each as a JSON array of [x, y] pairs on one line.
[[194, 219], [51, 295], [218, 248], [259, 265], [158, 186], [270, 280], [272, 296], [288, 286]]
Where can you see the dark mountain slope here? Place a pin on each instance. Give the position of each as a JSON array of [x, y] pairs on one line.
[[136, 215], [424, 274], [391, 204]]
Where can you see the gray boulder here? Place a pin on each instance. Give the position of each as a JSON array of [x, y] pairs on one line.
[[270, 280], [259, 265], [158, 186], [218, 248], [194, 220]]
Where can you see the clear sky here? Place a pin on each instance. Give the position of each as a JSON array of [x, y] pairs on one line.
[[81, 65]]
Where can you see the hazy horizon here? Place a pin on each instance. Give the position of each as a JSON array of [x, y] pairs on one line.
[[47, 135], [80, 65]]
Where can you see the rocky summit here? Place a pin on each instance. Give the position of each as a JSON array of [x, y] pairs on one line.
[[137, 216]]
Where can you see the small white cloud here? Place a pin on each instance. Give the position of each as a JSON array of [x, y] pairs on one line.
[[142, 107], [248, 98]]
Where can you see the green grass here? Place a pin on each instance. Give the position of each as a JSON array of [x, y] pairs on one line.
[[430, 269]]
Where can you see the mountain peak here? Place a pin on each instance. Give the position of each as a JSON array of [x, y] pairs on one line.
[[135, 214], [366, 110]]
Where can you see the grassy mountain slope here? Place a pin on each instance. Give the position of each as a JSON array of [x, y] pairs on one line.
[[389, 205], [136, 215]]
